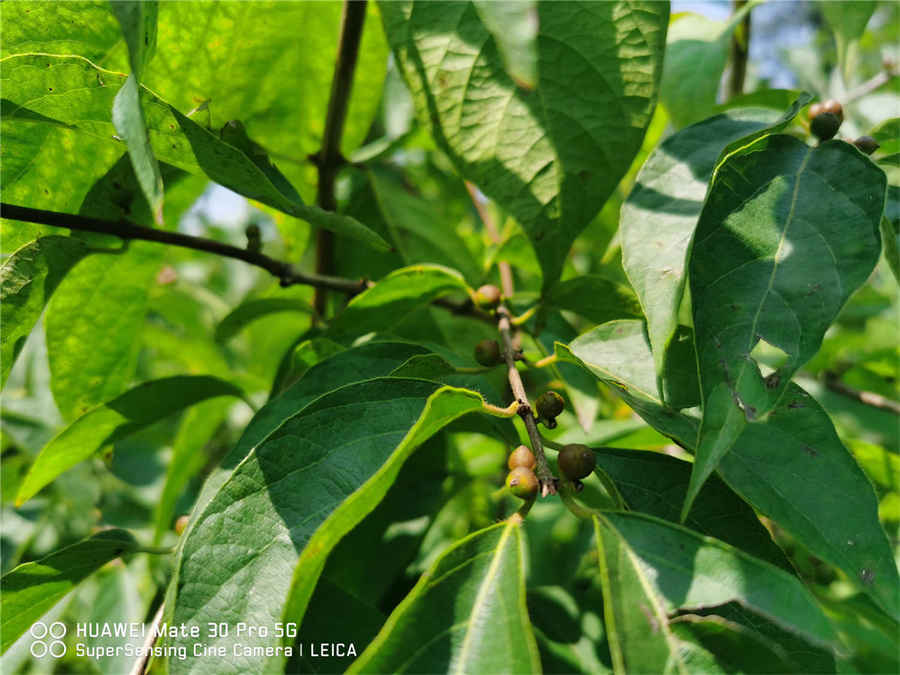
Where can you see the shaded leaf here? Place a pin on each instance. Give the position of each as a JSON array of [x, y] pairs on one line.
[[300, 490], [595, 298], [788, 232], [251, 310], [848, 21], [396, 295], [117, 419], [27, 280], [32, 588], [551, 156], [660, 214], [466, 614]]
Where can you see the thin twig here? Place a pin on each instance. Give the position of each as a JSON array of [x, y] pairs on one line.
[[506, 277], [329, 159], [545, 476], [864, 89], [740, 46], [141, 664], [286, 273], [833, 382]]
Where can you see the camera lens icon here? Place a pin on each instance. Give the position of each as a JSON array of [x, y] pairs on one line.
[[48, 639]]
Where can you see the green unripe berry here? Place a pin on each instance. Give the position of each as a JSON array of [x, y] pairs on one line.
[[488, 297], [522, 482], [866, 144], [521, 456], [487, 353], [549, 405], [576, 461], [825, 125]]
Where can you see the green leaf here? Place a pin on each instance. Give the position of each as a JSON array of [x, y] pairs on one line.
[[300, 490], [138, 22], [887, 134], [890, 230], [86, 28], [27, 280], [848, 21], [466, 614], [514, 27], [595, 297], [551, 156], [31, 589], [680, 569], [117, 419], [249, 311], [788, 232], [794, 469], [396, 295], [660, 214], [618, 354], [654, 483]]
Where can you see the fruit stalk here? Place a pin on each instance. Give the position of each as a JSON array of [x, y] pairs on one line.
[[545, 476]]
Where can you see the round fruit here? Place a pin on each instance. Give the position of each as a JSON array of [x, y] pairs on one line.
[[824, 125], [522, 482], [181, 524], [487, 353], [866, 144], [815, 110], [521, 456], [576, 461], [833, 107], [488, 297], [549, 405]]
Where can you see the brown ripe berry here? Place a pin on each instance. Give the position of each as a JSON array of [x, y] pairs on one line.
[[549, 405], [824, 125], [815, 110], [181, 524], [833, 107], [576, 461], [487, 353], [866, 144], [522, 483], [521, 456], [488, 297]]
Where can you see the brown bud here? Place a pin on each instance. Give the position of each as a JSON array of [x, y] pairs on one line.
[[521, 456], [487, 353], [866, 144], [488, 297]]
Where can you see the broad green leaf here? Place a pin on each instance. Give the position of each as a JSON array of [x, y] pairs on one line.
[[681, 569], [84, 94], [637, 625], [618, 354], [138, 22], [514, 27], [27, 280], [551, 156], [466, 614], [848, 21], [696, 52], [890, 230], [815, 490], [421, 229], [654, 483], [595, 297], [300, 359], [251, 310], [787, 233], [32, 588], [887, 134], [660, 214], [86, 28], [793, 468], [117, 419], [395, 296], [301, 489]]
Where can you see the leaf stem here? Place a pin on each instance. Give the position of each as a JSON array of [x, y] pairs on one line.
[[545, 476], [740, 46], [328, 159]]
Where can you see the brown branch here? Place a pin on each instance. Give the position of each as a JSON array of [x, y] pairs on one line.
[[140, 666], [506, 276], [286, 273], [833, 382], [545, 476], [740, 46], [329, 159]]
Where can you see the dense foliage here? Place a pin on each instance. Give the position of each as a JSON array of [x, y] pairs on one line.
[[522, 339]]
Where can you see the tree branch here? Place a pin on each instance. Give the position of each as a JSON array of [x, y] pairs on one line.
[[833, 382], [545, 476], [329, 159], [506, 277], [740, 46], [284, 271]]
